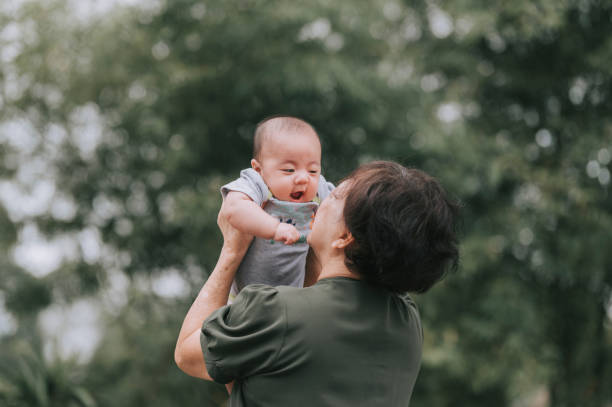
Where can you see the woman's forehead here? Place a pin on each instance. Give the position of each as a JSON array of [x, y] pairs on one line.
[[342, 189]]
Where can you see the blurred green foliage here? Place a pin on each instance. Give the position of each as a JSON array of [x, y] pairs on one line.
[[136, 116]]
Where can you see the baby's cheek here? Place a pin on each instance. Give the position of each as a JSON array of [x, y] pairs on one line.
[[312, 191]]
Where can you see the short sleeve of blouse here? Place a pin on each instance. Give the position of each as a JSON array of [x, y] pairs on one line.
[[244, 338], [249, 183]]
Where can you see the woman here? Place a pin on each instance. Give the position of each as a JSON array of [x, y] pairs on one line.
[[354, 337]]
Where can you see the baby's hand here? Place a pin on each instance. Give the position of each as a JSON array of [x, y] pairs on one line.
[[286, 233]]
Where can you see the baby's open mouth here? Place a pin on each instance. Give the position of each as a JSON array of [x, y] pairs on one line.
[[296, 195]]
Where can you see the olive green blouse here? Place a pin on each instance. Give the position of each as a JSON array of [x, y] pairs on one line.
[[341, 342]]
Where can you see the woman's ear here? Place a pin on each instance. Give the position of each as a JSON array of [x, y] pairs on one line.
[[343, 241], [256, 165]]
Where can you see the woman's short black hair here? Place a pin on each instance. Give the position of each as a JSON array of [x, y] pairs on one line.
[[403, 225]]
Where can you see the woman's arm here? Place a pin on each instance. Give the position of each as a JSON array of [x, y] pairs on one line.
[[213, 295]]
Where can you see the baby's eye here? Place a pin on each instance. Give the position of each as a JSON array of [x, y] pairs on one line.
[[288, 170], [313, 172]]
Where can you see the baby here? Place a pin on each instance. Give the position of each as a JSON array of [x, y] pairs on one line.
[[275, 201]]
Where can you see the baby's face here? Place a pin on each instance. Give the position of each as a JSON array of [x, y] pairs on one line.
[[290, 164]]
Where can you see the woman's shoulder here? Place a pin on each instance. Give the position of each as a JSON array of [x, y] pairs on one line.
[[325, 291], [257, 298]]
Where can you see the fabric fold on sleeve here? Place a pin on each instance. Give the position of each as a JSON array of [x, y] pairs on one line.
[[324, 188], [251, 184], [244, 338]]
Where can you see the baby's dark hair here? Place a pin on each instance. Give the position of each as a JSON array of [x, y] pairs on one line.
[[403, 225], [277, 124]]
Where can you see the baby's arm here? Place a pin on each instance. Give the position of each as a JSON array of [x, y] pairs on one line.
[[248, 217]]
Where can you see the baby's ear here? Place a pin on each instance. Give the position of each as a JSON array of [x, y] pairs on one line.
[[255, 165]]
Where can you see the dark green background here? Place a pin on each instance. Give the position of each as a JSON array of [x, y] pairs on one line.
[[507, 103]]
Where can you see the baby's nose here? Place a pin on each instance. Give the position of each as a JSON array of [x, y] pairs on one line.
[[300, 177]]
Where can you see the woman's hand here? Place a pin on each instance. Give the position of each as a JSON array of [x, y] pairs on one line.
[[234, 241]]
